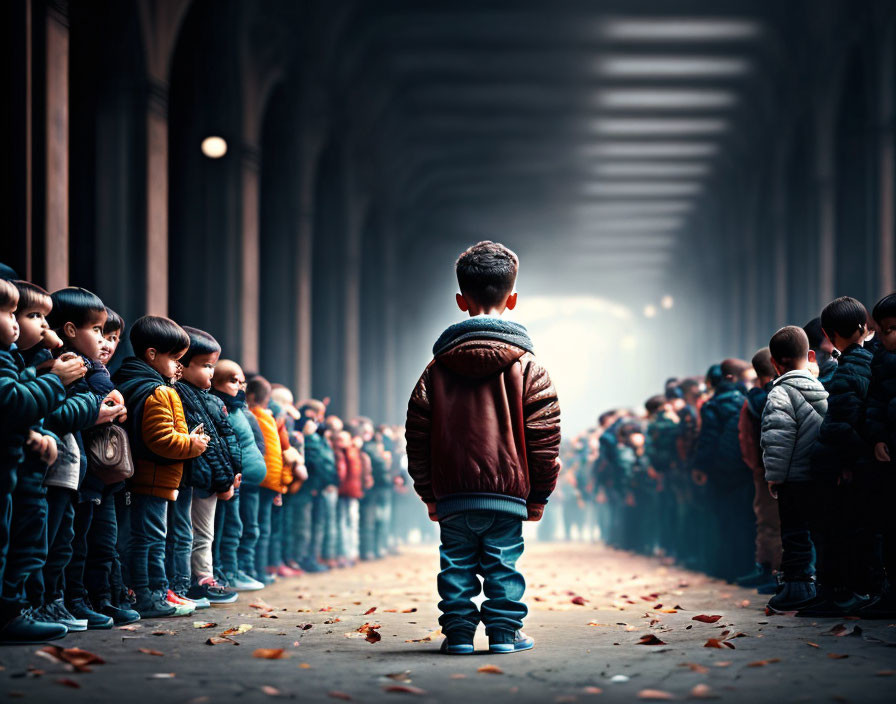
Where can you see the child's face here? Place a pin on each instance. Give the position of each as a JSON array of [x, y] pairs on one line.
[[888, 334], [110, 345], [201, 369], [87, 339], [33, 326], [231, 384], [9, 326], [167, 364]]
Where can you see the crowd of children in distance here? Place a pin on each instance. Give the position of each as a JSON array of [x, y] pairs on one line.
[[173, 483], [786, 462]]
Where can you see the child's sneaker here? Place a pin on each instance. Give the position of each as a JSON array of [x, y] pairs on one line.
[[120, 615], [155, 606], [182, 606], [55, 612], [95, 620], [793, 596], [242, 582], [208, 590], [457, 644], [509, 642], [25, 629]]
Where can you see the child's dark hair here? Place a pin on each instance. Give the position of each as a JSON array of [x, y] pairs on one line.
[[688, 385], [762, 363], [884, 308], [74, 305], [732, 367], [258, 388], [9, 295], [114, 322], [714, 375], [655, 403], [32, 296], [844, 316], [159, 333], [7, 273], [814, 333], [200, 343], [789, 344], [486, 272]]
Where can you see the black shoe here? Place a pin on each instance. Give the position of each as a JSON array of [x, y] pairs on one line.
[[95, 620], [121, 616], [212, 591], [24, 630], [457, 644], [154, 606], [55, 612], [793, 596], [761, 575], [831, 603]]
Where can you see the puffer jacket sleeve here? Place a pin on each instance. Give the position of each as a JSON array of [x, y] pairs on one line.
[[708, 439], [418, 427], [164, 427], [77, 412], [286, 476], [541, 410], [25, 397], [779, 434]]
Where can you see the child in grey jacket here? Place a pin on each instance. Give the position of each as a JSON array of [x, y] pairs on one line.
[[793, 413]]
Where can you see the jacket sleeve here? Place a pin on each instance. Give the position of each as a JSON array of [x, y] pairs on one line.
[[25, 397], [707, 439], [876, 413], [541, 410], [256, 432], [779, 434], [164, 429], [77, 412], [746, 434], [840, 443], [417, 434]]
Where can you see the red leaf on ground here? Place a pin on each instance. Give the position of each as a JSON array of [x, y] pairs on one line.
[[703, 618], [650, 639], [717, 643], [404, 689], [655, 694], [270, 691], [79, 659], [66, 682], [150, 651], [814, 645], [409, 611], [885, 673], [268, 653], [490, 670], [702, 691], [260, 604], [578, 600], [369, 611], [202, 624], [695, 667], [838, 630], [837, 656], [220, 640], [763, 663]]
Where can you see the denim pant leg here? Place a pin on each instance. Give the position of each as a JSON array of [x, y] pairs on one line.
[[23, 579], [228, 532], [61, 513], [74, 571], [179, 539], [121, 569], [500, 548], [249, 498], [383, 519], [149, 523], [265, 505], [202, 515], [275, 546], [367, 526], [102, 554], [331, 526], [288, 536], [304, 507], [458, 581]]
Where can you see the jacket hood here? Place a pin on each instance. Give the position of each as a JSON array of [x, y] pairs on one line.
[[479, 358], [756, 398], [803, 382], [483, 327], [135, 379]]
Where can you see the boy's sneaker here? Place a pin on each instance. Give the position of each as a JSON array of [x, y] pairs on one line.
[[793, 596], [95, 620], [457, 644], [211, 592], [121, 616], [284, 571], [509, 642], [242, 582], [761, 575], [834, 604], [24, 629], [182, 605], [55, 612], [155, 606]]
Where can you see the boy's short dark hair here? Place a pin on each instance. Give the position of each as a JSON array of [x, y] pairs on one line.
[[884, 308], [200, 343], [732, 367], [32, 296], [789, 344], [714, 375], [844, 316], [75, 305], [486, 272], [258, 387], [762, 363], [655, 403], [9, 295], [688, 385], [814, 333], [159, 333], [114, 322], [7, 273]]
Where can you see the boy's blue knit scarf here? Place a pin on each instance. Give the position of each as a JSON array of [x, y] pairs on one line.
[[483, 327]]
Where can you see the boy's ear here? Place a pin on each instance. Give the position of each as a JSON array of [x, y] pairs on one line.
[[511, 301], [151, 353], [812, 359], [462, 302], [69, 329]]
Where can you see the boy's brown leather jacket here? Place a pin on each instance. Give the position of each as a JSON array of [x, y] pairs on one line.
[[483, 423]]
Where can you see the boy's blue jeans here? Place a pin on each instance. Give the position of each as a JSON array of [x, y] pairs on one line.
[[146, 549], [249, 500], [487, 544], [179, 541], [228, 532], [263, 546]]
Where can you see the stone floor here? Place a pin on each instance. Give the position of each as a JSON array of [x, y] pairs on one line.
[[609, 626]]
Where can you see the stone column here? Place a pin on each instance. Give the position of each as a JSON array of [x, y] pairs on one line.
[[57, 136], [351, 382], [157, 199], [310, 155], [249, 265], [887, 163], [826, 194]]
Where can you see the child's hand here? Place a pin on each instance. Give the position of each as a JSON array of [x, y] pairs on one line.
[[882, 452], [278, 499], [773, 489], [49, 453], [198, 441], [68, 369], [226, 495], [431, 510], [535, 511], [237, 480], [108, 413]]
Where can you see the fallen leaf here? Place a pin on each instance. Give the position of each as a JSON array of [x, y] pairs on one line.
[[150, 651], [763, 663], [371, 634], [409, 611], [236, 630], [220, 640], [716, 643], [268, 653], [838, 630], [695, 667], [161, 676], [650, 639], [579, 600], [129, 628], [427, 638], [304, 626], [370, 611], [79, 659], [270, 691], [722, 663], [885, 673], [668, 611], [267, 614], [340, 695], [490, 670], [654, 694], [66, 682], [304, 666], [592, 690], [703, 618], [702, 691], [837, 656], [204, 624], [404, 689], [814, 645], [261, 605]]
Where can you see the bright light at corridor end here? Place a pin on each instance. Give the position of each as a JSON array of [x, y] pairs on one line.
[[650, 311], [667, 302], [214, 147]]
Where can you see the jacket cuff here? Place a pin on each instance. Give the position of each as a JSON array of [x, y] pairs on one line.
[[537, 498]]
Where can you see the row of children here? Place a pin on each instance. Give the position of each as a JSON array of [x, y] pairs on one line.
[[169, 485], [785, 462]]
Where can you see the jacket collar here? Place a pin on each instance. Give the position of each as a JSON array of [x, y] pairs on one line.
[[483, 328]]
